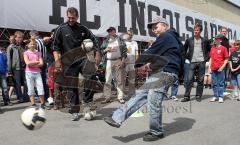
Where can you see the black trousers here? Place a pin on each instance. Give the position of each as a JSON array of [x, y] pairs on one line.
[[68, 79]]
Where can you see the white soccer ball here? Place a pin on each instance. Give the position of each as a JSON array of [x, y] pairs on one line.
[[87, 45], [90, 115], [33, 118]]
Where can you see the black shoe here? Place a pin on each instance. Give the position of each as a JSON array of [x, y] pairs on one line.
[[75, 117], [152, 137], [199, 98], [105, 101], [238, 99], [44, 106], [111, 122], [21, 101], [10, 104], [185, 99]]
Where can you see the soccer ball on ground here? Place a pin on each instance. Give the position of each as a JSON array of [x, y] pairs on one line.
[[90, 115], [87, 45], [33, 118]]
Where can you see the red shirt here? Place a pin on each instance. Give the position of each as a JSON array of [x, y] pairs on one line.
[[218, 55], [232, 49]]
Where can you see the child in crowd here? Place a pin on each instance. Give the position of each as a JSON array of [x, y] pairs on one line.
[[234, 63], [3, 77], [33, 62], [232, 47], [50, 83], [207, 77], [217, 62]]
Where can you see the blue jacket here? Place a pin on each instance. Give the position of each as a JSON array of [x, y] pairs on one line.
[[3, 63], [164, 54]]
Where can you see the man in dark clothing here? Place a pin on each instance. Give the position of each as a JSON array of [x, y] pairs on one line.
[[71, 59], [163, 60], [197, 49], [16, 65], [225, 43]]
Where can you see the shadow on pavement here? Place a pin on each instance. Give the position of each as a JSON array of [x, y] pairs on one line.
[[104, 112], [13, 108], [180, 124]]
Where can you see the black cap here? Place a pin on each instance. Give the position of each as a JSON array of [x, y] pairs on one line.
[[111, 29]]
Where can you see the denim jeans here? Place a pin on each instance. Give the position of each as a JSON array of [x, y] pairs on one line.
[[235, 80], [174, 88], [186, 70], [218, 83], [153, 91], [34, 79], [3, 81], [200, 66]]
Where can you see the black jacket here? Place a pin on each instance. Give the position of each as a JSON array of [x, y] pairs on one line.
[[189, 48], [164, 54], [68, 37], [225, 43]]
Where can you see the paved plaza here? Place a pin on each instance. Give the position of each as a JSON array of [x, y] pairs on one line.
[[191, 123]]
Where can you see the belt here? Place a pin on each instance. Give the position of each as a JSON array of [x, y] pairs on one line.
[[114, 58]]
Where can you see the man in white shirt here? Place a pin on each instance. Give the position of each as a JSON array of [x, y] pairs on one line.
[[132, 53]]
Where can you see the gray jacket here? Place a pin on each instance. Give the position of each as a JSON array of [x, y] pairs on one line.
[[15, 57]]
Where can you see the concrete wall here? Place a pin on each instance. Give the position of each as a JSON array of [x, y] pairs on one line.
[[216, 8]]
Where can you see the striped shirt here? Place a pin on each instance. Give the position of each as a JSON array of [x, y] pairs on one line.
[[41, 48]]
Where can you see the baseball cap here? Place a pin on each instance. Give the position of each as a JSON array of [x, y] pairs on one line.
[[111, 29], [219, 36], [156, 20]]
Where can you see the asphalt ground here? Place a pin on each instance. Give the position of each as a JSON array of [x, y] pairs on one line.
[[190, 123]]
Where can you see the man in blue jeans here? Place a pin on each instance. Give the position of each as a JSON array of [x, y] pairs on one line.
[[197, 49], [162, 60]]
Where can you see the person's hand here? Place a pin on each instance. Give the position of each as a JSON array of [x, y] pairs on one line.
[[209, 70], [98, 58], [233, 70], [220, 69], [9, 74], [109, 49], [143, 70]]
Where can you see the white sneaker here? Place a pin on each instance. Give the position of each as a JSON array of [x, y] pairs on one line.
[[220, 100], [174, 98], [214, 99], [226, 93]]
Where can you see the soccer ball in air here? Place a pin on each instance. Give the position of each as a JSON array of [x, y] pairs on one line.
[[87, 45], [33, 118]]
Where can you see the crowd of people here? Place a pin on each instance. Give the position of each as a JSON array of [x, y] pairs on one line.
[[57, 68]]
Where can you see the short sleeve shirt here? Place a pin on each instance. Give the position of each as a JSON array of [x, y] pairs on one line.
[[32, 56], [218, 55], [235, 59]]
